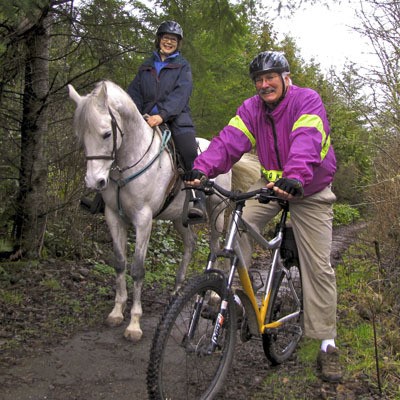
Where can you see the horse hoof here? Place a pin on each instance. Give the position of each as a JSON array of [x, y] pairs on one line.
[[133, 336], [114, 322]]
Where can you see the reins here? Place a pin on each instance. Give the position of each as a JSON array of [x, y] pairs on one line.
[[165, 137]]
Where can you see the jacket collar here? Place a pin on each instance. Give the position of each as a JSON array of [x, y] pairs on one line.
[[168, 59]]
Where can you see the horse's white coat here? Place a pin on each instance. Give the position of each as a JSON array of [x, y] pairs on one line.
[[143, 197]]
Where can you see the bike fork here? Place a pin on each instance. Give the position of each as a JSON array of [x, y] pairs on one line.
[[218, 326], [223, 312], [195, 316]]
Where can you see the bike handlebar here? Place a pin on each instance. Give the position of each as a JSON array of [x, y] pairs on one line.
[[263, 194]]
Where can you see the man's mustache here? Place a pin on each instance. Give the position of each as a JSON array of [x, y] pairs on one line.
[[266, 91]]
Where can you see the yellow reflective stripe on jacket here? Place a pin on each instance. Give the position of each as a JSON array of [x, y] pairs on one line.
[[271, 175], [237, 122], [314, 121]]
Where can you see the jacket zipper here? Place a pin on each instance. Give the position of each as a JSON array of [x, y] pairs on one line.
[[271, 120]]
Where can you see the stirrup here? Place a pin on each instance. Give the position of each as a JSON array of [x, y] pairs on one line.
[[196, 218], [193, 203]]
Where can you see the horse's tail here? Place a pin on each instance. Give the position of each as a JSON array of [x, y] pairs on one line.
[[245, 172]]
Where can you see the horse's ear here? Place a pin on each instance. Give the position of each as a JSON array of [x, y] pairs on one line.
[[102, 96], [73, 94]]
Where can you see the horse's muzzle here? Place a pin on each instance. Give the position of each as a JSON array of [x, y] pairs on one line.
[[96, 184]]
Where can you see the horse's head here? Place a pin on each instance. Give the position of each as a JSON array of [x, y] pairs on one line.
[[97, 125]]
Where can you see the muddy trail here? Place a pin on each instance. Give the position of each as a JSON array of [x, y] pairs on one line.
[[98, 363]]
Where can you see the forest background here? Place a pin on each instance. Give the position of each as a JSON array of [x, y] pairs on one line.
[[46, 45]]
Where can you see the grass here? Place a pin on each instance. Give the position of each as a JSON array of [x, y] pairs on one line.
[[364, 311], [11, 298], [365, 307]]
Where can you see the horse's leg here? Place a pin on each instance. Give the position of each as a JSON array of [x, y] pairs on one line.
[[216, 229], [189, 243], [133, 331], [216, 211], [118, 230]]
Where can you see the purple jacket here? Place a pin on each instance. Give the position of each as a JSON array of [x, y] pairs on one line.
[[291, 141]]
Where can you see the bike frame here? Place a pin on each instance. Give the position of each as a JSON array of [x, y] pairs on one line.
[[255, 312]]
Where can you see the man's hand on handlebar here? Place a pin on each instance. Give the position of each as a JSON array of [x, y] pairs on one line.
[[194, 177], [286, 188]]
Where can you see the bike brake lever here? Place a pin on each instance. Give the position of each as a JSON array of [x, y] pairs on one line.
[[265, 195]]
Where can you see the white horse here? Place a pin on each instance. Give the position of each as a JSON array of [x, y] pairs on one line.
[[132, 166]]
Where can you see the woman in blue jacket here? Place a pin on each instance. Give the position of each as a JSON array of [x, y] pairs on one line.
[[162, 89]]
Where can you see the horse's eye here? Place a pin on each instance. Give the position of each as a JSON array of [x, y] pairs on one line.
[[107, 135]]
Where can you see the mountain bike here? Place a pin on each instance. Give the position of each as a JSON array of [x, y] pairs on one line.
[[194, 342]]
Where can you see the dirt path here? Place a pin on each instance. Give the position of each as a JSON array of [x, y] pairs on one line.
[[92, 365], [100, 364]]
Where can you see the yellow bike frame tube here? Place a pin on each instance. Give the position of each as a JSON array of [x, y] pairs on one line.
[[260, 312]]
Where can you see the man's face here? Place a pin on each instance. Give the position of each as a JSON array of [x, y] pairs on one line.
[[270, 86]]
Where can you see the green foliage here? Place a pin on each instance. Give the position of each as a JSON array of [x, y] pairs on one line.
[[281, 384], [99, 39], [199, 259], [344, 214], [105, 271], [11, 298], [366, 303], [215, 34], [363, 297], [102, 270], [51, 284], [348, 112]]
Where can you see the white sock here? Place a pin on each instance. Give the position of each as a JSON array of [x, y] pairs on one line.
[[325, 343]]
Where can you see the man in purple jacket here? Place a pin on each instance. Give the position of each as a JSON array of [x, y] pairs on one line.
[[288, 127]]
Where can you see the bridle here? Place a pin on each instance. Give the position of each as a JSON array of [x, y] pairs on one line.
[[115, 128], [165, 137]]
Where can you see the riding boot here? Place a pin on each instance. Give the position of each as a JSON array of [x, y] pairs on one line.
[[95, 206]]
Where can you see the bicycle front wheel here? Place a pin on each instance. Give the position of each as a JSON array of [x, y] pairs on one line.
[[183, 364], [280, 343]]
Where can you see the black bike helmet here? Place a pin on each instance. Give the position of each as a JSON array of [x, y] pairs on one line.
[[170, 27], [268, 61]]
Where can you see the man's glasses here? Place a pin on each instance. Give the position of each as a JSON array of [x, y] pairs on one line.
[[265, 78]]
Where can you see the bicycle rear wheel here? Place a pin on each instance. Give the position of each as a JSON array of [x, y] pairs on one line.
[[181, 364], [280, 343]]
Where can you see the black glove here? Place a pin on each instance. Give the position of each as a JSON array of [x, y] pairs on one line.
[[291, 186], [192, 175]]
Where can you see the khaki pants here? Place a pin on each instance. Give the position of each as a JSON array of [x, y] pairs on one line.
[[311, 218]]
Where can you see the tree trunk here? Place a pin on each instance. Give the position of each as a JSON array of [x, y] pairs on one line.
[[31, 207]]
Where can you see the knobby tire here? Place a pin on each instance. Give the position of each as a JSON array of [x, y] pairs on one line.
[[182, 368], [280, 343]]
